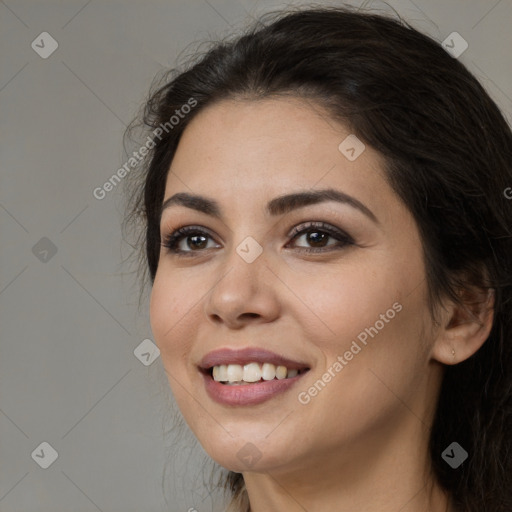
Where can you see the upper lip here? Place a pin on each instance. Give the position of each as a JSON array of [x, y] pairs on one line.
[[246, 356]]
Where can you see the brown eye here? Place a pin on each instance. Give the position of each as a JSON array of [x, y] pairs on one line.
[[197, 240], [318, 238]]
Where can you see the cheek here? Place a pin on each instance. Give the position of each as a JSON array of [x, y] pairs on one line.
[[370, 313], [170, 316], [169, 312], [342, 301], [368, 388], [383, 350], [162, 308]]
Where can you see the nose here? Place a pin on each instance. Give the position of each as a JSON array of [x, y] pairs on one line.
[[245, 292]]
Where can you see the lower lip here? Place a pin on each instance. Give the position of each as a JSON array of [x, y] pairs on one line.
[[247, 394]]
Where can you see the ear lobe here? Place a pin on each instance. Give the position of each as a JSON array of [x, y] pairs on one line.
[[466, 327]]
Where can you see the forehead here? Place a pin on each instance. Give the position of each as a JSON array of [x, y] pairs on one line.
[[268, 141], [245, 153], [290, 127]]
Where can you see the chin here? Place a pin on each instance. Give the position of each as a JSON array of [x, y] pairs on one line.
[[248, 453]]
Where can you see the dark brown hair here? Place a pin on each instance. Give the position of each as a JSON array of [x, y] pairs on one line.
[[448, 155]]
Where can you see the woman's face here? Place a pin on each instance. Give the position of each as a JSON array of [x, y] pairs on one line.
[[354, 313]]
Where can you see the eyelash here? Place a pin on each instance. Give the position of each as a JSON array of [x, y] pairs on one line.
[[172, 240]]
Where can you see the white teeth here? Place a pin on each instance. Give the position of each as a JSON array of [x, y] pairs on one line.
[[220, 373], [281, 372], [223, 372], [251, 372], [268, 371], [235, 373]]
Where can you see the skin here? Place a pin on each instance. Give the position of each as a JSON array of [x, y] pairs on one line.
[[361, 442]]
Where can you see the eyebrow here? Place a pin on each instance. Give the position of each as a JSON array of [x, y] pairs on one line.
[[277, 206]]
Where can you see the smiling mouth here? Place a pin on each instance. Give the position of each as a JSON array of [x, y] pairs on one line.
[[251, 373]]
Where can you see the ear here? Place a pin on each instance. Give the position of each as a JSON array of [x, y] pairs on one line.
[[464, 328]]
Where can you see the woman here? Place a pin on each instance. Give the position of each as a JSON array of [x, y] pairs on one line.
[[327, 232]]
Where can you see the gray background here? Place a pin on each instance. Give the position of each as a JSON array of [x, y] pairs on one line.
[[69, 320]]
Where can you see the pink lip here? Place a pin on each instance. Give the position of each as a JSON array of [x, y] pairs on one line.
[[250, 394], [246, 356]]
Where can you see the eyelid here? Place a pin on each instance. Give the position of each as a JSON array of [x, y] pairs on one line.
[[321, 226], [171, 240]]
